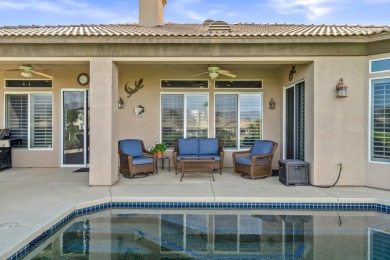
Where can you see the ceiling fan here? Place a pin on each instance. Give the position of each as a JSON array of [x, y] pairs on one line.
[[214, 72], [27, 71]]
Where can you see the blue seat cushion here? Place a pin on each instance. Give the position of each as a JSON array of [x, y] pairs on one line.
[[243, 160], [131, 147], [188, 156], [213, 156], [208, 146], [188, 146], [142, 160], [261, 147]]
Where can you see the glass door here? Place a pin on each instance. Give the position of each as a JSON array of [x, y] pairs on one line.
[[75, 128]]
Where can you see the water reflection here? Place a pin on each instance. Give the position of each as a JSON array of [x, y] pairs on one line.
[[219, 234]]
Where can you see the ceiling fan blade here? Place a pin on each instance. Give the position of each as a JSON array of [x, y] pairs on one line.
[[200, 74], [42, 74], [227, 73], [12, 70]]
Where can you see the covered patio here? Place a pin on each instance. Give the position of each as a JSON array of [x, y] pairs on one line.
[[34, 199]]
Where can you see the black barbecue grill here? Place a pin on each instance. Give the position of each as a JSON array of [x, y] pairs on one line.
[[6, 143]]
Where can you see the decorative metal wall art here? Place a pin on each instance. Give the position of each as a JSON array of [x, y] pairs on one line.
[[138, 85], [292, 71]]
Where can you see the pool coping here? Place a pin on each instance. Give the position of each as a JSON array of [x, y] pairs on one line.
[[24, 247]]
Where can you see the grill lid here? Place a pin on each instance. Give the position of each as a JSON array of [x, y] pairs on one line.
[[5, 133]]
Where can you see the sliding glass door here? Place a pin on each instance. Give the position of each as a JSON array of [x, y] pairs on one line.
[[75, 128], [294, 121]]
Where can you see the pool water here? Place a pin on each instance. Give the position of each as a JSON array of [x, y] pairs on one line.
[[224, 234]]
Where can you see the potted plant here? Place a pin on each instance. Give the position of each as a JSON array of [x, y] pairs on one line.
[[159, 149]]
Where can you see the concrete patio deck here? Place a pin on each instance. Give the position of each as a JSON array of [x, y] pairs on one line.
[[34, 199]]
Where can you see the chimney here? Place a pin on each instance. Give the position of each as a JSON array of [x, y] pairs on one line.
[[151, 12]]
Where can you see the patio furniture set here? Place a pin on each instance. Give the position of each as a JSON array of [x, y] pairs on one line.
[[197, 155]]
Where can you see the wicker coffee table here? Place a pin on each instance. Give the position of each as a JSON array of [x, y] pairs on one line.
[[197, 165]]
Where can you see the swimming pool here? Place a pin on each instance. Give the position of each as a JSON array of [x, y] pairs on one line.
[[220, 234]]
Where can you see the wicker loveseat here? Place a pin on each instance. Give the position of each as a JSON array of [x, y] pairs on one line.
[[134, 158], [257, 162], [189, 148]]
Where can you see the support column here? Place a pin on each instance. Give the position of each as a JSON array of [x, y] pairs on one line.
[[103, 169]]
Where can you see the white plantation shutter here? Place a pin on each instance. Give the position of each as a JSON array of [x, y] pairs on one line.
[[41, 121], [250, 119], [37, 107], [172, 118], [238, 117], [380, 120], [17, 116], [197, 116], [183, 115], [226, 119]]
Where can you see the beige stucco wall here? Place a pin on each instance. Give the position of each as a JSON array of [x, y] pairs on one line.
[[336, 128], [339, 132], [376, 174], [64, 78], [147, 128]]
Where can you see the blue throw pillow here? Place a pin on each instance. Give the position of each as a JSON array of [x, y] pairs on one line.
[[261, 147], [188, 146], [208, 146], [131, 147]]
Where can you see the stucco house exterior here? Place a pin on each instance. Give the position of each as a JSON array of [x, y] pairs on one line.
[[64, 122]]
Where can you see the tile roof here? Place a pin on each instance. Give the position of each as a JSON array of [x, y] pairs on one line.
[[192, 30]]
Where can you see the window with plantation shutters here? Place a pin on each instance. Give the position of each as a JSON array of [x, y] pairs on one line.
[[30, 117], [226, 119], [238, 119], [41, 121], [172, 118], [17, 116], [183, 115], [197, 116], [380, 120], [250, 119]]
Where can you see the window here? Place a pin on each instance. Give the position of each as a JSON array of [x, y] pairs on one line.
[[239, 84], [35, 83], [30, 117], [183, 115], [184, 83], [382, 65], [380, 120], [238, 119]]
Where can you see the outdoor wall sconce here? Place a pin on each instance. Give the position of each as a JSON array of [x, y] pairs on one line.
[[271, 104], [139, 110], [120, 103], [341, 89]]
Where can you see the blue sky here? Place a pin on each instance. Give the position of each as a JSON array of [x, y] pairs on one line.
[[68, 12]]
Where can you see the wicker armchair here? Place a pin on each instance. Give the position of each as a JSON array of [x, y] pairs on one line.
[[257, 162], [135, 159]]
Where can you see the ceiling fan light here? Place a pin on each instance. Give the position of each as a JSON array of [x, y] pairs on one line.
[[26, 74], [213, 75]]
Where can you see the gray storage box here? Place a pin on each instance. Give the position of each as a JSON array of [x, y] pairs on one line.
[[294, 172]]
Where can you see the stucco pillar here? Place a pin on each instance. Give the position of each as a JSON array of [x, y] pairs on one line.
[[103, 168]]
